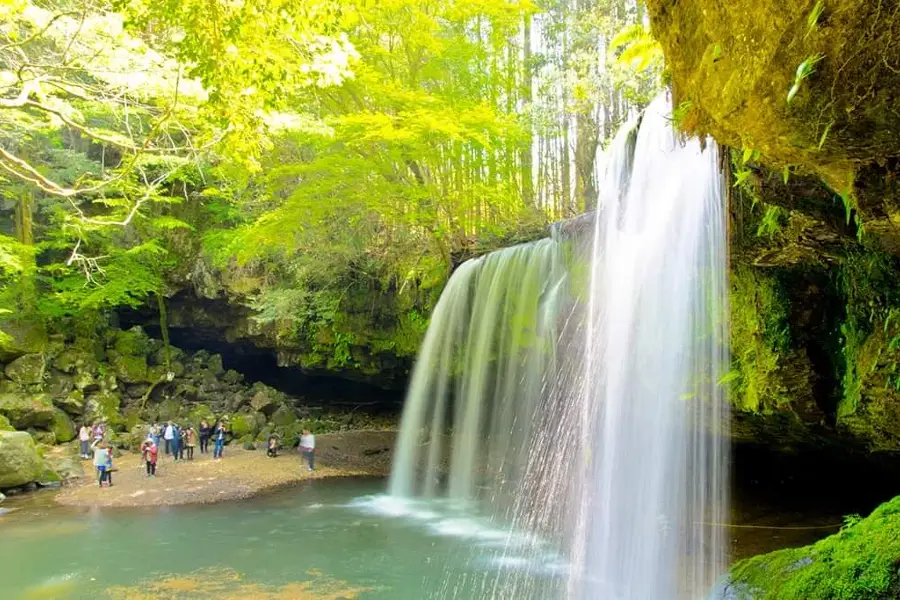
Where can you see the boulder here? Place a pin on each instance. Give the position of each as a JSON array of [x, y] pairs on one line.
[[285, 415], [85, 382], [136, 390], [214, 364], [5, 425], [243, 425], [199, 413], [106, 406], [47, 438], [248, 444], [59, 384], [72, 403], [22, 337], [2, 498], [130, 368], [64, 466], [63, 427], [170, 410], [159, 356], [27, 369], [20, 462], [265, 399], [232, 377], [76, 360], [133, 342], [27, 410], [237, 401]]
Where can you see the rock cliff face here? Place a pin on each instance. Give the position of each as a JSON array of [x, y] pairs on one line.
[[805, 92], [808, 84]]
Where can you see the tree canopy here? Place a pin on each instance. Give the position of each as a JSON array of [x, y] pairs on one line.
[[282, 153]]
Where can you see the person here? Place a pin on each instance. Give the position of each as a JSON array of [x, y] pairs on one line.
[[84, 436], [168, 436], [97, 431], [103, 463], [176, 442], [219, 440], [187, 442], [272, 446], [308, 448], [150, 452], [155, 431], [205, 433]]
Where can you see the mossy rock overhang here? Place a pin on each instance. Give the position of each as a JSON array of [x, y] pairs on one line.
[[734, 63]]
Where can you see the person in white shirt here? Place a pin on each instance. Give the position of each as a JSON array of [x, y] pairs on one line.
[[308, 448], [84, 436], [169, 436]]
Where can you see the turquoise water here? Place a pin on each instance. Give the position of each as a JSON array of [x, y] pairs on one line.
[[324, 530]]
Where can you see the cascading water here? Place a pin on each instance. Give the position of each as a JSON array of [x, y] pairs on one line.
[[577, 393], [481, 369]]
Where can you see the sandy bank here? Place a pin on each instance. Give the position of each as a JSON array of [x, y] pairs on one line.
[[240, 474]]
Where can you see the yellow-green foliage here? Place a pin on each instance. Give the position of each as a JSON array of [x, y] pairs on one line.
[[759, 333], [858, 563]]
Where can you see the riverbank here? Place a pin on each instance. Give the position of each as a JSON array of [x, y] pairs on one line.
[[240, 474]]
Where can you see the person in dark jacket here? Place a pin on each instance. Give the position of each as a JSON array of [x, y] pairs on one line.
[[219, 439], [205, 432], [176, 443], [272, 446]]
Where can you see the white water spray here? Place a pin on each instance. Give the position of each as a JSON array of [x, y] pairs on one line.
[[583, 405]]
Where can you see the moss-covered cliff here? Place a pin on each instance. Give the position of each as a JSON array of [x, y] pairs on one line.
[[805, 91]]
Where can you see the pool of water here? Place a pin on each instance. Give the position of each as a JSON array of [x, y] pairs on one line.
[[325, 539]]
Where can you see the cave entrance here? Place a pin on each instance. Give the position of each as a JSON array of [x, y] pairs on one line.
[[256, 364]]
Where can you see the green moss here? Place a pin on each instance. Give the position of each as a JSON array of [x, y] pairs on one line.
[[759, 339], [4, 424], [62, 427], [859, 563], [130, 369], [243, 426], [133, 342]]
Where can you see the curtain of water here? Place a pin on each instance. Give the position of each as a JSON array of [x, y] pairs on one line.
[[578, 391], [480, 376], [654, 476]]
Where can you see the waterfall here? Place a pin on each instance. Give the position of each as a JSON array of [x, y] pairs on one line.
[[481, 371], [570, 389]]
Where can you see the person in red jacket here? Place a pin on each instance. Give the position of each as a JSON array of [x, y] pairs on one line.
[[150, 452]]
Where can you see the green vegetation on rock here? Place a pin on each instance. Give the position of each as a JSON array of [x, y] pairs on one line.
[[859, 563], [759, 331], [20, 462]]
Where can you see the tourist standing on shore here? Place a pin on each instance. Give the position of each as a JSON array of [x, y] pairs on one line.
[[219, 440], [155, 432], [205, 434], [168, 436], [150, 451], [103, 463], [84, 436], [176, 442], [98, 431], [308, 448], [188, 439]]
